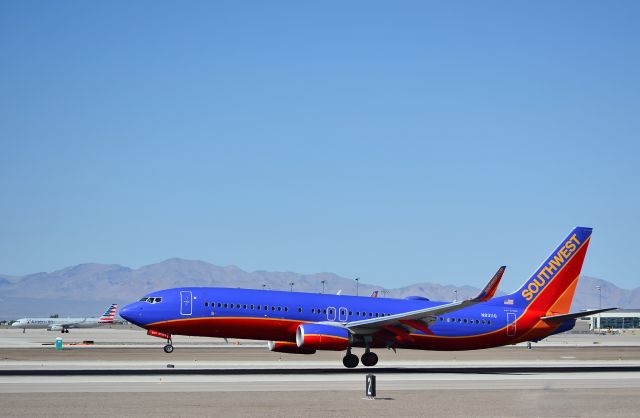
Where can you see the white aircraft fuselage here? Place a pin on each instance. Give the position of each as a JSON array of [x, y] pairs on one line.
[[64, 324], [56, 324]]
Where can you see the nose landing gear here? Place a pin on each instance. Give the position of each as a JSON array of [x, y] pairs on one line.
[[169, 347]]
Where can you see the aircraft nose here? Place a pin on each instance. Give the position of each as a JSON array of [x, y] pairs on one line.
[[128, 313]]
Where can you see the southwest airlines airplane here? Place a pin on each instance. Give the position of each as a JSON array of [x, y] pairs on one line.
[[63, 324], [301, 323]]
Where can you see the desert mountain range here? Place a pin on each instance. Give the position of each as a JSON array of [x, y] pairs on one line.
[[87, 289]]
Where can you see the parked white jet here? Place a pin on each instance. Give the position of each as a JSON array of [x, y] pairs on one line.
[[63, 324]]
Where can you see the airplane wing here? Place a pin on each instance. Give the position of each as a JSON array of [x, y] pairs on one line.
[[563, 317], [420, 318], [72, 324]]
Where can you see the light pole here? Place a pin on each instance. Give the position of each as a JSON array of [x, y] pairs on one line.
[[455, 295], [357, 279], [323, 283], [599, 304], [291, 286]]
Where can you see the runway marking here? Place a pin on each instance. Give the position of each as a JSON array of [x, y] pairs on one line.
[[390, 382]]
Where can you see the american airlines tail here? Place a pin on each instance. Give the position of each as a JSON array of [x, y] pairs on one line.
[[549, 291], [108, 315]]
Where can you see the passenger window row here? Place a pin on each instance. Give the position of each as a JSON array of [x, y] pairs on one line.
[[286, 309], [370, 314], [466, 321], [322, 311], [245, 306]]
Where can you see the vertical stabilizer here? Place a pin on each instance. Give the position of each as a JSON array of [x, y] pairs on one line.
[[551, 287], [108, 315]]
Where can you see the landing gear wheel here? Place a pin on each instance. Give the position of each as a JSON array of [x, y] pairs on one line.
[[369, 359], [350, 361], [168, 348]]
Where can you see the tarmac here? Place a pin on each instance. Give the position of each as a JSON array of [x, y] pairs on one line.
[[126, 373]]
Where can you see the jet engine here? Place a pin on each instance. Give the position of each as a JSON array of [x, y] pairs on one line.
[[55, 328], [323, 337], [287, 347]]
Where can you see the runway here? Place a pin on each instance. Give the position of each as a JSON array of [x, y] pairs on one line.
[[570, 377], [334, 395], [256, 380]]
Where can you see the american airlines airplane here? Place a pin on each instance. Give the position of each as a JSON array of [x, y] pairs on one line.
[[63, 324], [302, 323]]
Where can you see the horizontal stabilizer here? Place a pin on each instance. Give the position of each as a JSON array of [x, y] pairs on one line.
[[564, 317]]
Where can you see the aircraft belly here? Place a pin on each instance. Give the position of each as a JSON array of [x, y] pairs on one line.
[[244, 328], [455, 343]]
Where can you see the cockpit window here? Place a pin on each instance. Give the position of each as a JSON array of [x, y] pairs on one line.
[[143, 299], [151, 300]]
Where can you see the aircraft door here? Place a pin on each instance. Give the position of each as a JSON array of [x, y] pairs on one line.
[[185, 302], [342, 315], [511, 324], [331, 313]]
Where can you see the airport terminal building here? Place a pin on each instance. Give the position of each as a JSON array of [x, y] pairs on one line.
[[619, 319]]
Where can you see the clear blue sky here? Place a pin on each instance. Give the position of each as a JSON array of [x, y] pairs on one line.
[[395, 141]]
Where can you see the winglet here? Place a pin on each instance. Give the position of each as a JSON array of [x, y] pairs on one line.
[[491, 287]]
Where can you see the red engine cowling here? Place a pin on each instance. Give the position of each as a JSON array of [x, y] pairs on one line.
[[323, 337], [287, 347]]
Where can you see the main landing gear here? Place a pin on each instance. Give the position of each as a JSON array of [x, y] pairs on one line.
[[63, 330], [368, 359], [169, 347], [350, 360]]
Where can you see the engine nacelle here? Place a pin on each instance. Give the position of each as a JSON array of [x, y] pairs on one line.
[[54, 328], [287, 347], [323, 337]]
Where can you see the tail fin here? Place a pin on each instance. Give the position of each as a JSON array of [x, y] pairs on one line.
[[109, 314], [550, 289]]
